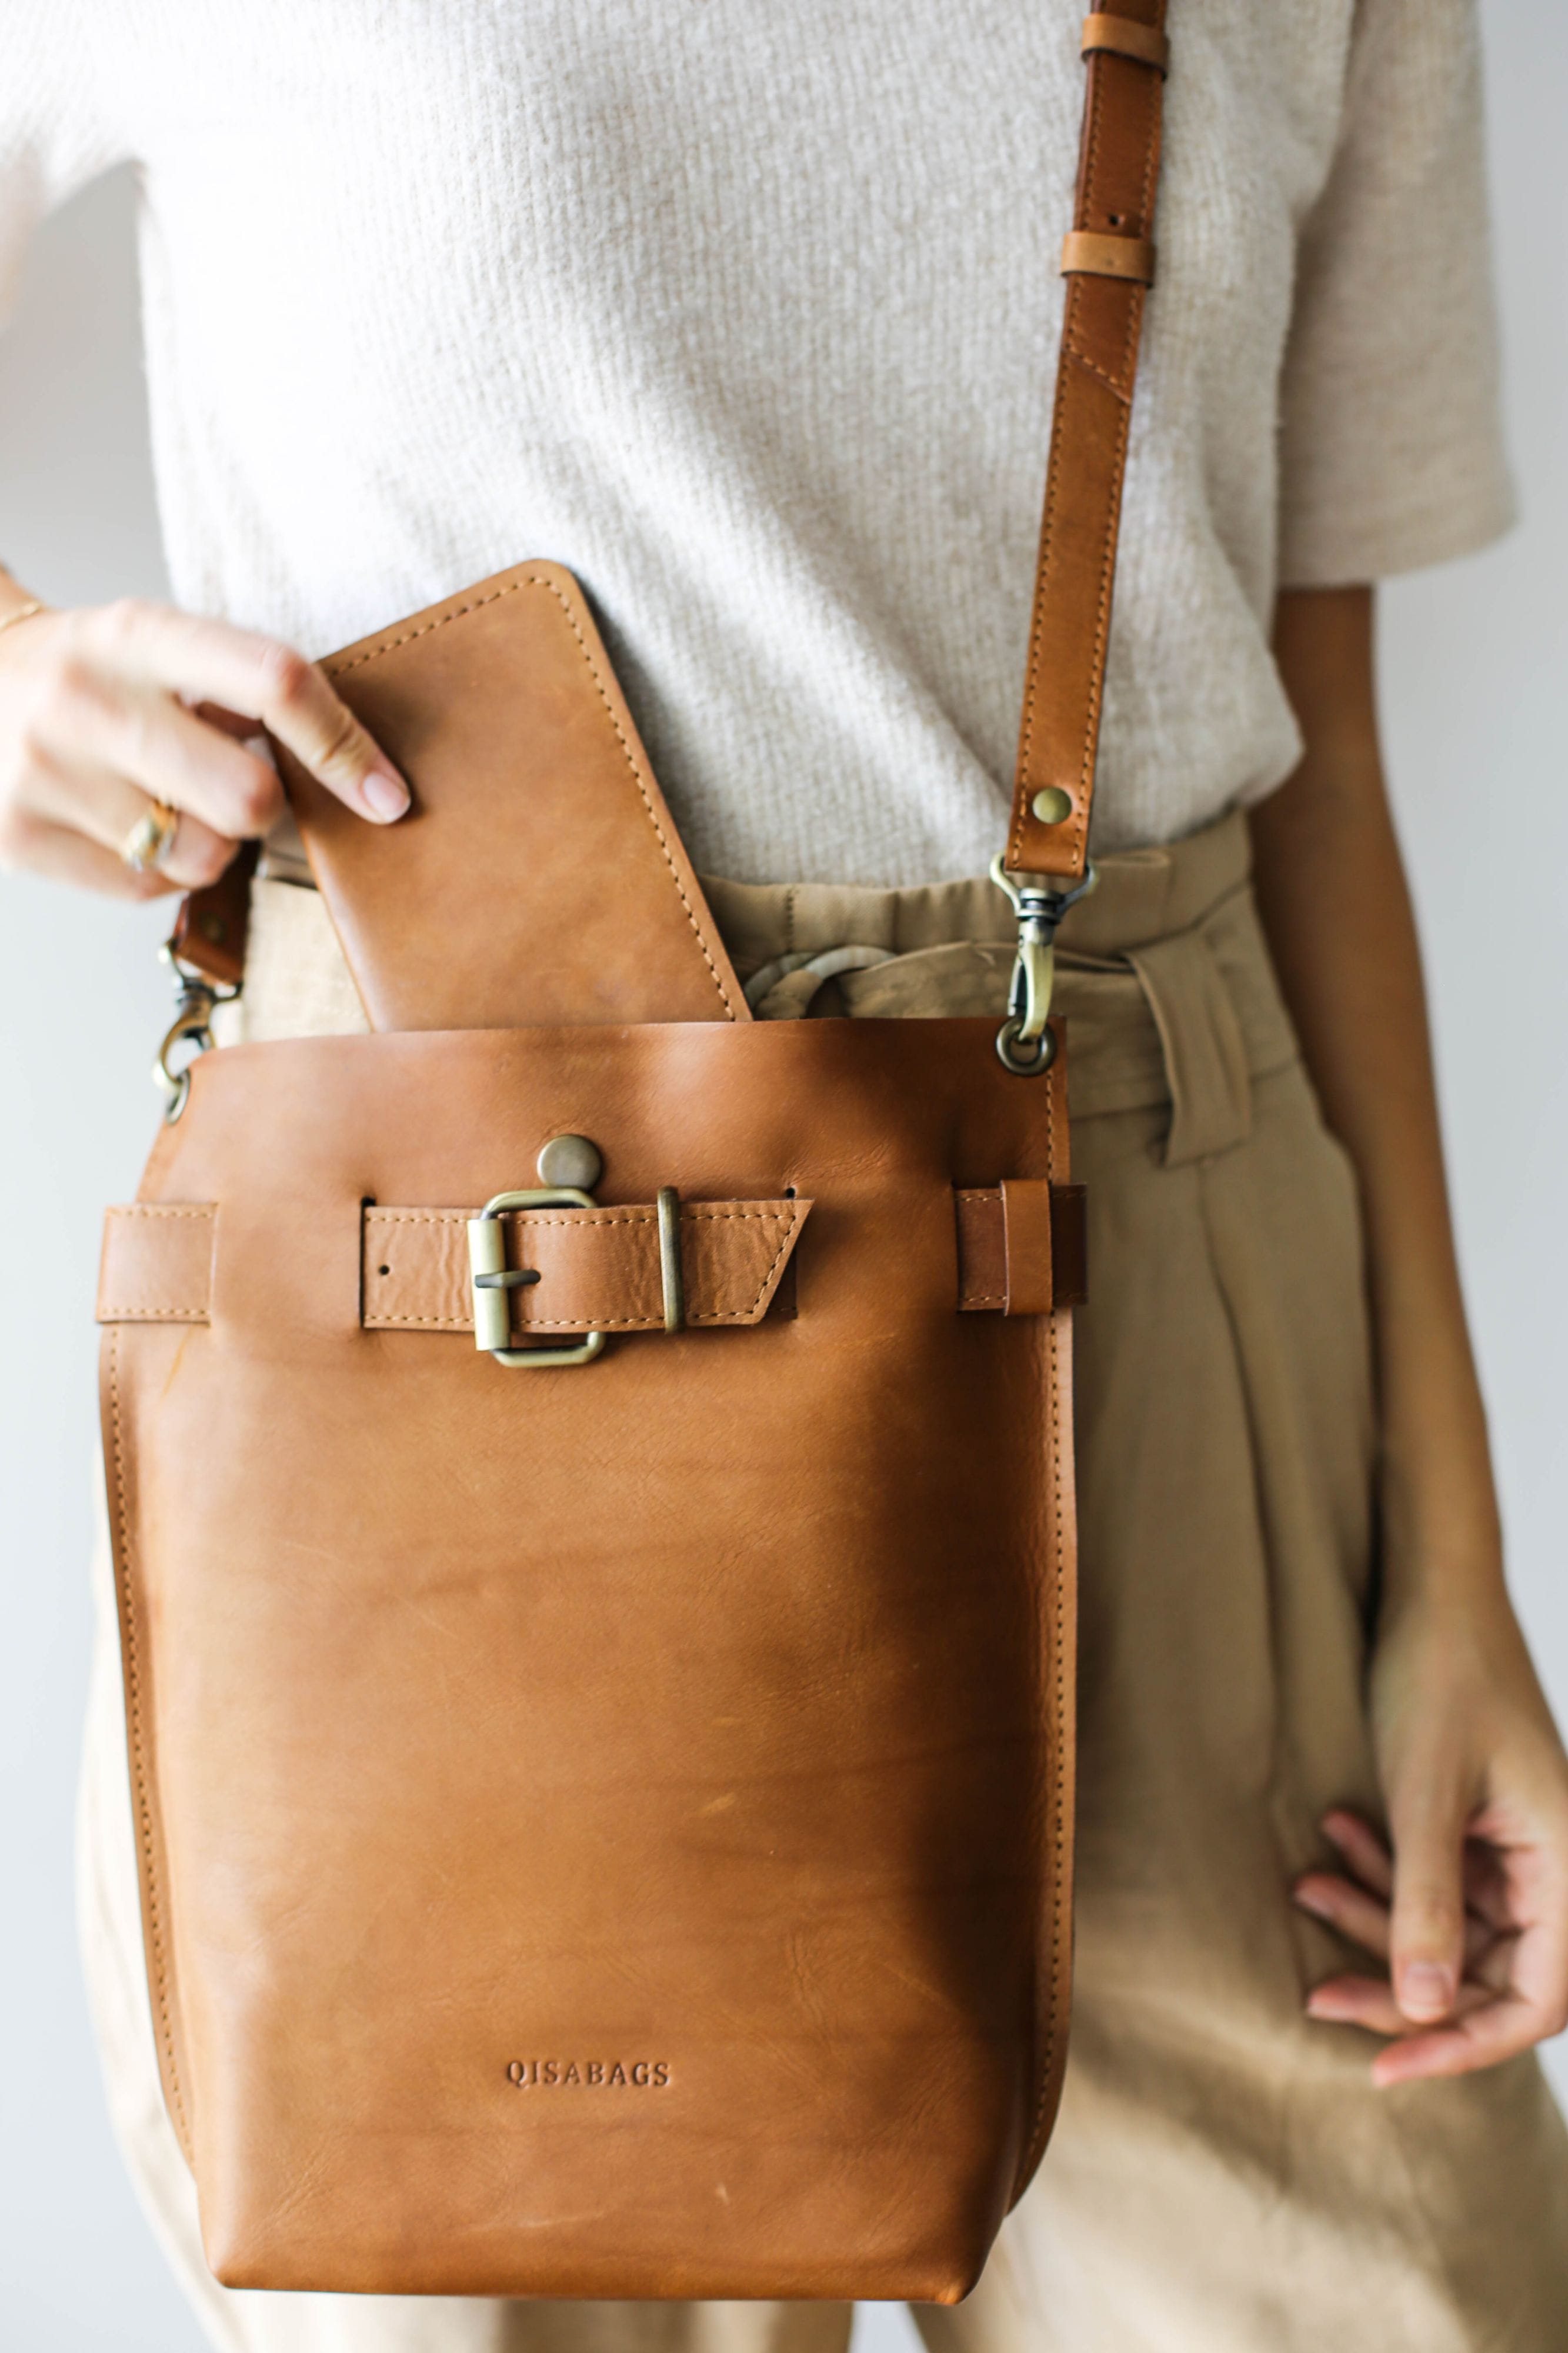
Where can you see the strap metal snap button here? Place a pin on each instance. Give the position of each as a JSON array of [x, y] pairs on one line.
[[571, 1160]]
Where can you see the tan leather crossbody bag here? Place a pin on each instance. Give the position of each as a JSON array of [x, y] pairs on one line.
[[597, 1623]]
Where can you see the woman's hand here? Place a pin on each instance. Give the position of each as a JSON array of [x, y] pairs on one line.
[[1468, 1918], [109, 708]]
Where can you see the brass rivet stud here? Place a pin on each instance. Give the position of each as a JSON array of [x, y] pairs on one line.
[[1052, 806], [570, 1161]]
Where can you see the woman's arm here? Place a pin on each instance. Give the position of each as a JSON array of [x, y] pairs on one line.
[[107, 709], [1471, 1912]]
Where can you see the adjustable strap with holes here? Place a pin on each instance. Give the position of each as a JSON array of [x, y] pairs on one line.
[[1109, 262], [1020, 1252]]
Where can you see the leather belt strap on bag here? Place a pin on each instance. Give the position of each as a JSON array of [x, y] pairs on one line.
[[1020, 1252]]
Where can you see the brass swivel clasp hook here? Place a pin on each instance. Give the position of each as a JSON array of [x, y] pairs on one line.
[[1025, 1044], [195, 997]]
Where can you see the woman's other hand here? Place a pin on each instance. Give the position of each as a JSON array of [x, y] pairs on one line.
[[1467, 1918], [107, 709]]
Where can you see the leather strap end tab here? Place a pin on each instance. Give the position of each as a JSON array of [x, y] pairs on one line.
[[1060, 852], [211, 926], [1086, 253], [1124, 37]]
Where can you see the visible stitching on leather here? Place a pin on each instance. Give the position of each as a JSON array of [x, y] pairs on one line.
[[1102, 620], [1124, 394], [1092, 367], [1036, 619], [1096, 92], [1056, 1825], [1072, 349], [972, 1299], [436, 1322], [791, 1221], [788, 1218], [1156, 103], [582, 1217], [138, 1744], [538, 580], [161, 1210], [143, 1313], [416, 1218], [1101, 632], [1120, 383]]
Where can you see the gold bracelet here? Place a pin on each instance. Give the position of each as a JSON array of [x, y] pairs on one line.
[[23, 613]]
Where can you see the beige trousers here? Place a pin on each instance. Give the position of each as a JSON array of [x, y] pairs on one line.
[[1223, 2179]]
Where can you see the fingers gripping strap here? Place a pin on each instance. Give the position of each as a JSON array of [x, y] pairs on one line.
[[1110, 259]]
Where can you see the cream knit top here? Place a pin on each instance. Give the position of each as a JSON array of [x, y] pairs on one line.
[[748, 313]]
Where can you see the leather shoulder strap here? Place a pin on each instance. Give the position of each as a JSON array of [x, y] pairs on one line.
[[1109, 261]]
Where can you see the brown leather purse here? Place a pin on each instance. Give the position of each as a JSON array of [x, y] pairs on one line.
[[604, 1794]]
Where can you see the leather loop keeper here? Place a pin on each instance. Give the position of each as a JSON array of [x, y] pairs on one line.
[[1004, 1261], [1027, 1247], [1070, 1245], [1086, 253], [1123, 36]]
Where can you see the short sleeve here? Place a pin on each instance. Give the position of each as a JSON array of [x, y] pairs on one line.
[[1391, 451], [54, 134]]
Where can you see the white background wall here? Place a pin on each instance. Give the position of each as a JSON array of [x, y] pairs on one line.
[[1475, 665]]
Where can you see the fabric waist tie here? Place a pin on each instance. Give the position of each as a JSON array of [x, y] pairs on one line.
[[1162, 974]]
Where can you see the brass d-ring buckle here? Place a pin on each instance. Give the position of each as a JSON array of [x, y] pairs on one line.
[[493, 1279]]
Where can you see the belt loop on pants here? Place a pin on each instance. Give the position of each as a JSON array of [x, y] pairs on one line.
[[1205, 1058]]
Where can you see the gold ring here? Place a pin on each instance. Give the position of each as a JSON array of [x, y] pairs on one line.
[[151, 838]]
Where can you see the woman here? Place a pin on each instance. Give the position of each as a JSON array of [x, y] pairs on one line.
[[750, 317]]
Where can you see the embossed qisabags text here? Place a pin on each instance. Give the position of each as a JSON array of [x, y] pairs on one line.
[[603, 2074]]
